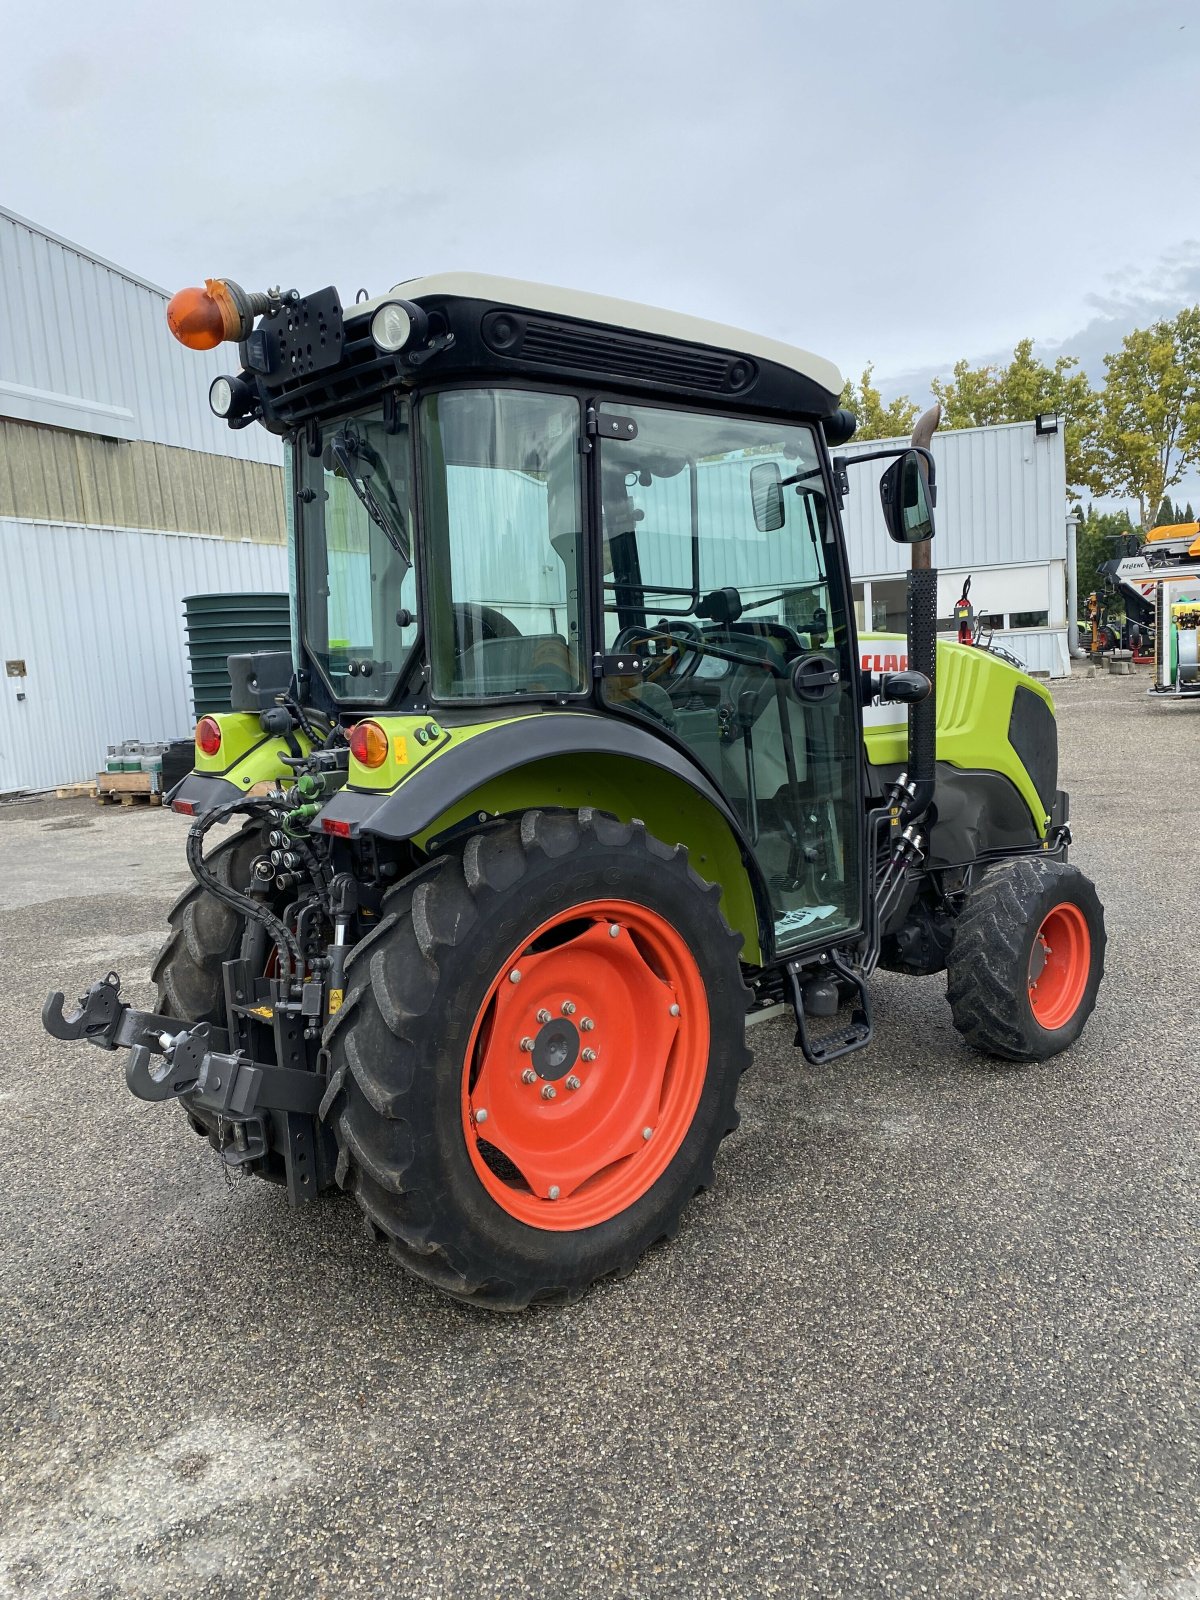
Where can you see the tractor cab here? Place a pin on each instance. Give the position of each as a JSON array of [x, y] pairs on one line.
[[513, 502]]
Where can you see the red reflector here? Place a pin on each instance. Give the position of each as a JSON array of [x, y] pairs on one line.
[[332, 825], [185, 808], [208, 736]]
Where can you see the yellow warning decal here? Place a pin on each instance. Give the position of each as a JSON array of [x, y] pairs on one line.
[[266, 1012], [336, 996], [400, 746]]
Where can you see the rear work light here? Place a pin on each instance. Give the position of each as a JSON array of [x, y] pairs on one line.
[[368, 744], [208, 736]]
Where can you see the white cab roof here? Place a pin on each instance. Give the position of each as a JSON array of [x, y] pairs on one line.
[[613, 313]]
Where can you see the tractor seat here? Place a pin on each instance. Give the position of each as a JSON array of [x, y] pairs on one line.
[[518, 665]]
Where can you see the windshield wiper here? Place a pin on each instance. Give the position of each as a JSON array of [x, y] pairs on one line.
[[343, 450]]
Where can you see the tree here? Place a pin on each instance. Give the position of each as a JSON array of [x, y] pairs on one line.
[[1149, 434], [875, 420], [1166, 513], [1101, 536], [975, 396]]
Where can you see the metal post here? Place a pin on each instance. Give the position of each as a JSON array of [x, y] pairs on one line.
[[1074, 649]]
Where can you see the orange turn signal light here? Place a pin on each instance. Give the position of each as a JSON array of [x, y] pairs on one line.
[[208, 736], [368, 744]]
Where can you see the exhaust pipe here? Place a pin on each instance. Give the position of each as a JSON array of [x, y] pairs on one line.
[[922, 648]]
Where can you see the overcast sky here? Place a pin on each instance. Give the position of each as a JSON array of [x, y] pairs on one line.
[[899, 184]]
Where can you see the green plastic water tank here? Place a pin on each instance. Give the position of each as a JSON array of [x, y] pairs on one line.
[[224, 625]]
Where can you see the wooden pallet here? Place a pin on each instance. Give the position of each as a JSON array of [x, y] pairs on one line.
[[136, 797], [74, 791], [126, 788]]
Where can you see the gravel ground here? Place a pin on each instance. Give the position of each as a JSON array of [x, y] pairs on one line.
[[933, 1332]]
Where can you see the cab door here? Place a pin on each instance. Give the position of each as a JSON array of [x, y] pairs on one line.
[[721, 563]]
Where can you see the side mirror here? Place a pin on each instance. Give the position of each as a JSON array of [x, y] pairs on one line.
[[904, 495], [766, 496]]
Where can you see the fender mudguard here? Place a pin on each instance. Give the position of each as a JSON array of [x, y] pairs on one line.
[[569, 759]]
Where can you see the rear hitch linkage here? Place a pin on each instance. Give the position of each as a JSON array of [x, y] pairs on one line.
[[169, 1059]]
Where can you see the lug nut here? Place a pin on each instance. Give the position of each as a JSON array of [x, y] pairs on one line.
[[568, 1008], [548, 1091], [587, 1024], [588, 1055], [543, 1015], [514, 976], [613, 930], [529, 1076], [647, 1133], [572, 1082], [552, 1192], [674, 1011], [527, 1044], [481, 1115]]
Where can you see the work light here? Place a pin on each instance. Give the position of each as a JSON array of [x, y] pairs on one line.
[[397, 323], [229, 397]]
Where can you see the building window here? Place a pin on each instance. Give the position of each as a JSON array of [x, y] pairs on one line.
[[889, 606], [1029, 619]]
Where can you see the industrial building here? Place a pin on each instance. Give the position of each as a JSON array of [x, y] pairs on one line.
[[120, 494], [1001, 519]]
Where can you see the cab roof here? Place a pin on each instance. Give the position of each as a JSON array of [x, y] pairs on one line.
[[581, 306]]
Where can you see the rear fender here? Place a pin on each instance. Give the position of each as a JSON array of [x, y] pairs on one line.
[[567, 760], [248, 761]]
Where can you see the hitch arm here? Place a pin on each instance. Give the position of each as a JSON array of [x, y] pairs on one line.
[[97, 1018]]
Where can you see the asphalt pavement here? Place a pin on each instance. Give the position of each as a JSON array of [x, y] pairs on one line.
[[934, 1332]]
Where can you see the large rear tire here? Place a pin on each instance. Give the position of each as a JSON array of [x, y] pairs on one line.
[[1027, 959], [205, 933], [537, 1057]]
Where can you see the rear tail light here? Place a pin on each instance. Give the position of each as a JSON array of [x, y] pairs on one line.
[[368, 744], [208, 736], [340, 830], [185, 808]]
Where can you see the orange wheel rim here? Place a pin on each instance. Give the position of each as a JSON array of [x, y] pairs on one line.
[[585, 1065], [1058, 966]]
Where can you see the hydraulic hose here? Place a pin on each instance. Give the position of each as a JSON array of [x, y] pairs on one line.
[[291, 958]]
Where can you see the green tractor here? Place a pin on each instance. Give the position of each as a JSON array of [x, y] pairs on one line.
[[575, 768]]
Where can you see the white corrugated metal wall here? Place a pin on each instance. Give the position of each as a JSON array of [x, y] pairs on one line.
[[1001, 518], [1001, 499], [95, 615], [85, 346]]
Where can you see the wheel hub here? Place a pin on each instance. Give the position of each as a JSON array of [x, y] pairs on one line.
[[555, 1049]]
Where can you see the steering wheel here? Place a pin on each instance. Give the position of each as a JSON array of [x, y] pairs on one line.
[[667, 665]]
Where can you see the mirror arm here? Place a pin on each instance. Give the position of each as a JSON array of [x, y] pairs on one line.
[[891, 455]]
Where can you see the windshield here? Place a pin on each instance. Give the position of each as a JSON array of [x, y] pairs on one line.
[[503, 508], [359, 594]]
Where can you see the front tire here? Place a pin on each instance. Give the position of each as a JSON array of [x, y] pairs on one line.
[[537, 1058], [1026, 959]]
